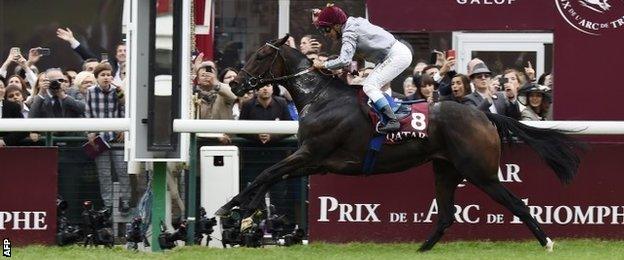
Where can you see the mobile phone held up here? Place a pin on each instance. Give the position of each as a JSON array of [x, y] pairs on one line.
[[15, 51], [450, 54], [104, 56], [44, 51]]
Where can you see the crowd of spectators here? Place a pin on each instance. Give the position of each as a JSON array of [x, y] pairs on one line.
[[97, 91]]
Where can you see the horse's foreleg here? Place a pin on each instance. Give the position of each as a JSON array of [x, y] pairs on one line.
[[297, 160], [446, 180]]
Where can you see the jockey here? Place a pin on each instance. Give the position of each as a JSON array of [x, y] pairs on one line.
[[375, 44]]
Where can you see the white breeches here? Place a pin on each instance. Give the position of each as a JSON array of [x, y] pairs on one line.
[[398, 59]]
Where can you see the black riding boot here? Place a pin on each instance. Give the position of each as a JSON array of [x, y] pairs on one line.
[[392, 123]]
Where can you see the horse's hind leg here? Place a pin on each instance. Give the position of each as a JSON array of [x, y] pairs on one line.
[[446, 179], [502, 195]]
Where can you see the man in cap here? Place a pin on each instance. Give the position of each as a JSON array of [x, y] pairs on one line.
[[483, 99]]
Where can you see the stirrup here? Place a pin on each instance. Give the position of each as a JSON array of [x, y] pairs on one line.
[[389, 127]]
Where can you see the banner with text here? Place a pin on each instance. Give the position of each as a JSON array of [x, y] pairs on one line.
[[28, 195], [402, 207]]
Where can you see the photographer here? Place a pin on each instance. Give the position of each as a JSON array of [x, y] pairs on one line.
[[217, 98], [56, 104]]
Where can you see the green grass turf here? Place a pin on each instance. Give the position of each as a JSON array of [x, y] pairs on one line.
[[564, 249]]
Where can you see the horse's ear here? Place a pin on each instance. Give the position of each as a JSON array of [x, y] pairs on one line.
[[283, 40]]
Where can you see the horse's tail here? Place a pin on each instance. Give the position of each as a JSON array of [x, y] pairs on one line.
[[553, 146]]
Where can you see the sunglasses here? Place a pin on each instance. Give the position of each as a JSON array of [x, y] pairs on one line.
[[482, 76]]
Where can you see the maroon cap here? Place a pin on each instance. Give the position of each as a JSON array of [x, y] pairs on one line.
[[331, 15]]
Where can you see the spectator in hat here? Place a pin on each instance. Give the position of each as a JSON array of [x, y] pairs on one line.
[[538, 101], [483, 98]]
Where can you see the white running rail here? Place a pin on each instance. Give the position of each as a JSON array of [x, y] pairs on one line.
[[254, 127]]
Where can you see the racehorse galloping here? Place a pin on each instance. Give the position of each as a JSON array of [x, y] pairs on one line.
[[335, 129]]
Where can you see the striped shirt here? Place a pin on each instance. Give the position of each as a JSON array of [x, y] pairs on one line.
[[103, 104]]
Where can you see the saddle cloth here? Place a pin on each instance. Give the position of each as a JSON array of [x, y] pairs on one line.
[[413, 116]]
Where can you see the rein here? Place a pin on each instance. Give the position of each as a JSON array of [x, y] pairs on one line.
[[254, 81]]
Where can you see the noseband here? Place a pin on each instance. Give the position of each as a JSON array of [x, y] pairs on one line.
[[254, 81]]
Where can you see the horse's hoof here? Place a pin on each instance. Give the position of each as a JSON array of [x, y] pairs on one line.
[[424, 248], [222, 212], [246, 223], [550, 245]]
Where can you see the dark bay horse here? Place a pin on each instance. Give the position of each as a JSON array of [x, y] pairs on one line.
[[335, 129]]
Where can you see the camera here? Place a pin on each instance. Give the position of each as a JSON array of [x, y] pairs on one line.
[[66, 234], [55, 84], [277, 225], [230, 226], [167, 240], [44, 51], [502, 81], [294, 238], [205, 226], [97, 226], [232, 235], [135, 234]]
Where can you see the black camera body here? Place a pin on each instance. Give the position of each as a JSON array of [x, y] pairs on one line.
[[294, 238], [502, 81], [55, 85], [205, 226], [231, 234], [135, 234], [167, 240], [230, 226], [98, 227], [66, 234]]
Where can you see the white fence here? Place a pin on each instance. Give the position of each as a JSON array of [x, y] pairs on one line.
[[254, 127]]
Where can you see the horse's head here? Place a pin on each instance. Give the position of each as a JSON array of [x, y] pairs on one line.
[[261, 69]]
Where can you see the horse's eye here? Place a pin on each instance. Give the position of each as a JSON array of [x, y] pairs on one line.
[[260, 56]]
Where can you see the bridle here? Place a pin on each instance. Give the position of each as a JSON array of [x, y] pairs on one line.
[[254, 81]]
